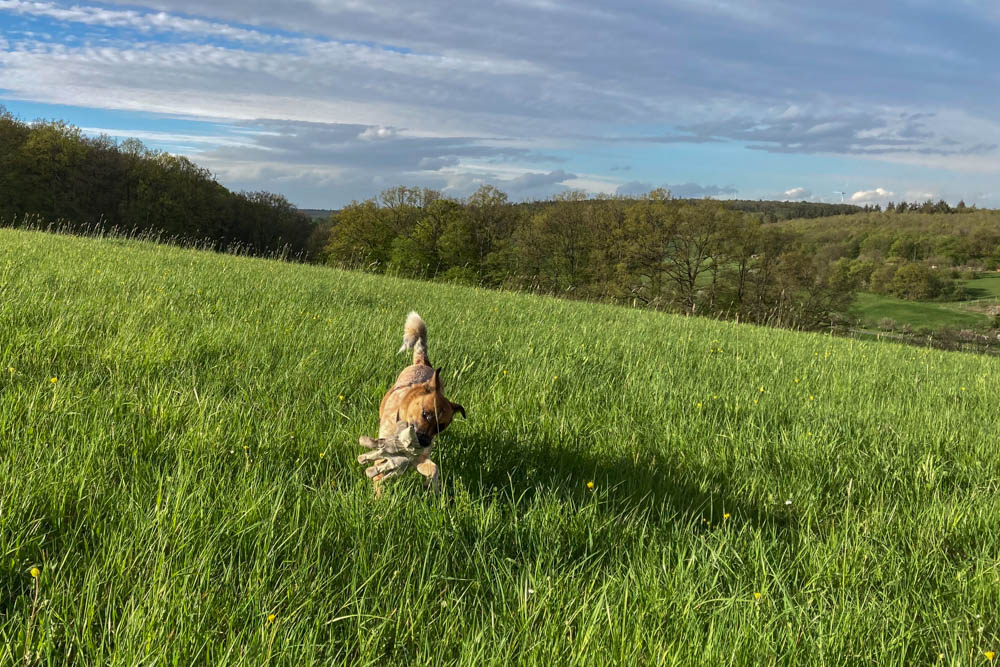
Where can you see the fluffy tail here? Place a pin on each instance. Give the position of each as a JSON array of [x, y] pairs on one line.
[[415, 338]]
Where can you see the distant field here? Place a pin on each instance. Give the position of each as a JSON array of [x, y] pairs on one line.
[[871, 308], [986, 286], [178, 469]]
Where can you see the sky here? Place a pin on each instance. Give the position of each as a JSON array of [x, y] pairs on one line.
[[328, 102]]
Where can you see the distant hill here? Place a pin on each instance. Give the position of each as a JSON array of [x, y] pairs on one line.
[[51, 173], [774, 211], [318, 214]]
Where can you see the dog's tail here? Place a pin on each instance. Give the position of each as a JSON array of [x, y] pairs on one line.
[[415, 338]]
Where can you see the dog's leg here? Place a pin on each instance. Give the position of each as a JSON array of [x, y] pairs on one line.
[[429, 470]]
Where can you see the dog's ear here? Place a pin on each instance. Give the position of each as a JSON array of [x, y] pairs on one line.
[[436, 384], [455, 407]]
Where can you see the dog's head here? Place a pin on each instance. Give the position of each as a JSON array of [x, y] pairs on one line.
[[429, 412]]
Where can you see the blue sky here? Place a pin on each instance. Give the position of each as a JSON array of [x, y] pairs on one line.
[[327, 102]]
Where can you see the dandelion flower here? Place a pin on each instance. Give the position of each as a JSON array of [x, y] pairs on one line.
[[35, 572], [54, 380], [322, 454], [270, 618], [590, 485], [341, 397], [756, 595], [725, 517], [990, 655]]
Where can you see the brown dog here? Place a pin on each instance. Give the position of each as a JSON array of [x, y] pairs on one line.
[[416, 403]]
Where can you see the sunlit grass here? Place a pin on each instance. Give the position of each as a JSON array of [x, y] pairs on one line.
[[179, 481]]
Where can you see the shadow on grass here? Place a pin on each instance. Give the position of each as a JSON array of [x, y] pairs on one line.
[[658, 486]]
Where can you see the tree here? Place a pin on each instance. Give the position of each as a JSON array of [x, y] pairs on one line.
[[360, 237], [915, 281]]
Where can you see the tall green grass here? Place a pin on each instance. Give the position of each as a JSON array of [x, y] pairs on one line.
[[179, 435]]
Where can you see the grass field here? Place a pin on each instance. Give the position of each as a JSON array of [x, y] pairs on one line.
[[934, 315], [987, 286], [177, 465]]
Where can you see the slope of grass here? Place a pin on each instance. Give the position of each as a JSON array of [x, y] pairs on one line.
[[178, 468]]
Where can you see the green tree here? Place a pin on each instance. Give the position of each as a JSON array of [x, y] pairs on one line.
[[360, 237]]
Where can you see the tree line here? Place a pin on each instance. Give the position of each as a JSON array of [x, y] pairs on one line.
[[692, 256], [50, 171]]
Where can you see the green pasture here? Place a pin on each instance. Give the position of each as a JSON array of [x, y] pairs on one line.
[[871, 308], [178, 469]]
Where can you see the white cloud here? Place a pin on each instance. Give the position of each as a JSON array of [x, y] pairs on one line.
[[377, 132], [864, 196], [798, 193], [142, 21]]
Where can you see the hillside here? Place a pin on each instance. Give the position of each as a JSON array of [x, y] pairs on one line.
[[180, 435], [52, 174]]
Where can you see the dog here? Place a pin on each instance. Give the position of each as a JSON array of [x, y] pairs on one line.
[[415, 408]]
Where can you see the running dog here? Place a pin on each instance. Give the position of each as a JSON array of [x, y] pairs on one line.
[[411, 414]]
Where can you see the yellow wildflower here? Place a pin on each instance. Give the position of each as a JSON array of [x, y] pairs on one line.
[[35, 572], [590, 485], [54, 380], [756, 595], [990, 655], [725, 516], [270, 618]]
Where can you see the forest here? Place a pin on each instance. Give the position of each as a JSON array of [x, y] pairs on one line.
[[52, 174], [703, 257]]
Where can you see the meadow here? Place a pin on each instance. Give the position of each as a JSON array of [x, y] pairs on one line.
[[178, 482], [871, 309]]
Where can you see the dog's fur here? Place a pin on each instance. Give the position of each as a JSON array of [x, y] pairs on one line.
[[417, 398]]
